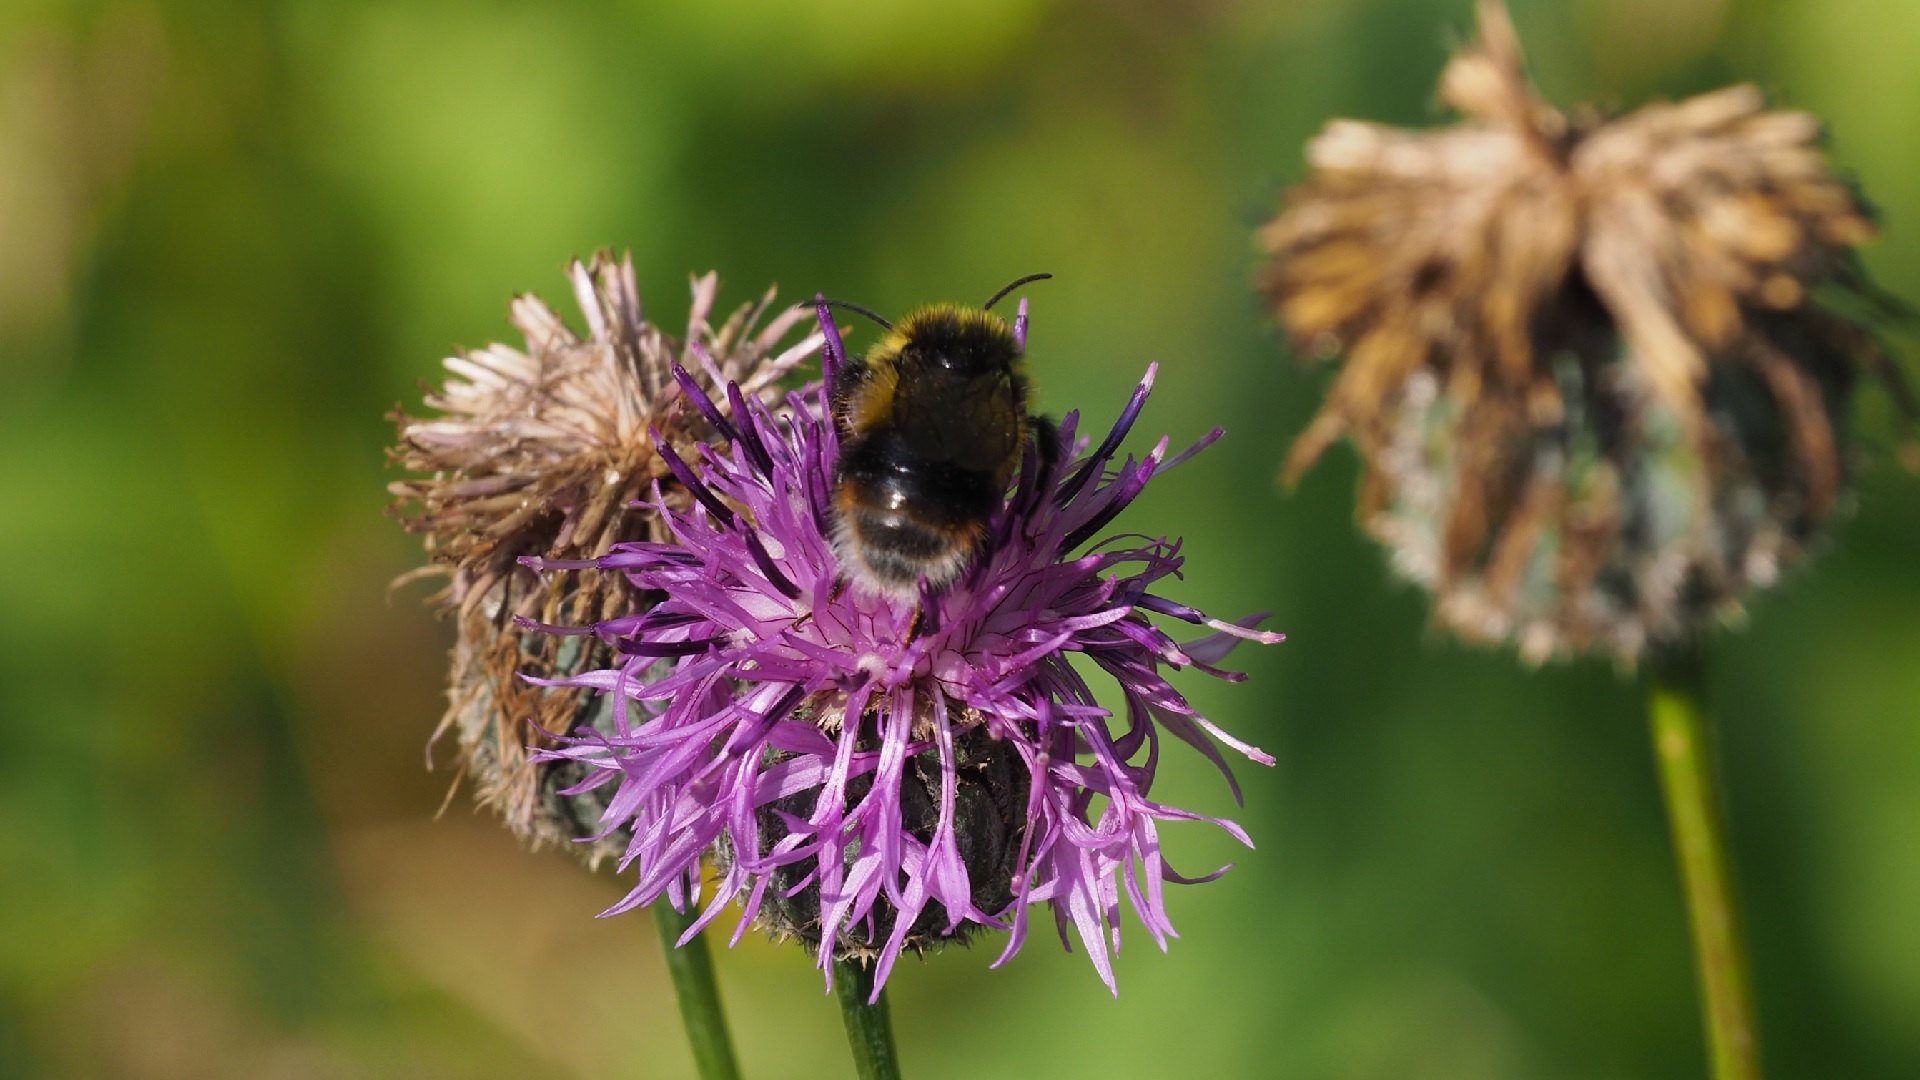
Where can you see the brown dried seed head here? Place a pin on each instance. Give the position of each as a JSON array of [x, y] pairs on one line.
[[543, 452], [1585, 361]]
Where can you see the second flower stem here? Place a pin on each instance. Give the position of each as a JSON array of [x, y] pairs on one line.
[[869, 1028], [1690, 780], [693, 983]]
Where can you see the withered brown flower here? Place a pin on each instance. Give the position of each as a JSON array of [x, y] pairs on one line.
[[545, 453], [1597, 368]]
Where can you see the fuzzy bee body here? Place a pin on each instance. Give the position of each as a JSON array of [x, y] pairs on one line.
[[933, 426]]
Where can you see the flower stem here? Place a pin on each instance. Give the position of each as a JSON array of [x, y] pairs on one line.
[[692, 969], [1690, 779], [869, 1029]]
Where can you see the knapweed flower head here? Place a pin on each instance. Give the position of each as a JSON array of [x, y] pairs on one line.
[[1597, 369], [548, 452], [874, 775]]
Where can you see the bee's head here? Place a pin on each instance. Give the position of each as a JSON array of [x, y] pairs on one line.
[[964, 343]]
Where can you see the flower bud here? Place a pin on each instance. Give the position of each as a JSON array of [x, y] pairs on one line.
[[551, 453], [1597, 369]]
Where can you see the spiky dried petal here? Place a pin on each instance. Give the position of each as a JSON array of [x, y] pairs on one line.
[[546, 452]]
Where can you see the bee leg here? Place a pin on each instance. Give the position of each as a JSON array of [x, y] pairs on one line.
[[926, 617], [925, 621], [1046, 442], [839, 586]]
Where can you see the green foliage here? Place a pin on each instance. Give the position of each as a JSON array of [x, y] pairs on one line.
[[238, 233]]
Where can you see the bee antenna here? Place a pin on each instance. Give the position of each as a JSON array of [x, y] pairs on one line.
[[857, 310], [1002, 294]]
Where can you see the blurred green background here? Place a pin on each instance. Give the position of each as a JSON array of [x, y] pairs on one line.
[[233, 235]]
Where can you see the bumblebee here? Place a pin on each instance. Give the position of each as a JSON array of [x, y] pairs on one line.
[[933, 425]]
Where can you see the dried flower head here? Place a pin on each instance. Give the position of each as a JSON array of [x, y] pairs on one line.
[[547, 452], [874, 775], [1594, 368]]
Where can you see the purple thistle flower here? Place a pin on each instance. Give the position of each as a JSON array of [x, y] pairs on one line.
[[963, 790]]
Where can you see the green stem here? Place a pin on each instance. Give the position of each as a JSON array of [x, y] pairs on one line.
[[692, 969], [869, 1030], [1690, 780]]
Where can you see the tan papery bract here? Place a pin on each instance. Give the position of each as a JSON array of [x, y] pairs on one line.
[[544, 452]]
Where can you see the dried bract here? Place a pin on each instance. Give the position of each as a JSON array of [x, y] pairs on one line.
[[546, 453], [1595, 367]]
